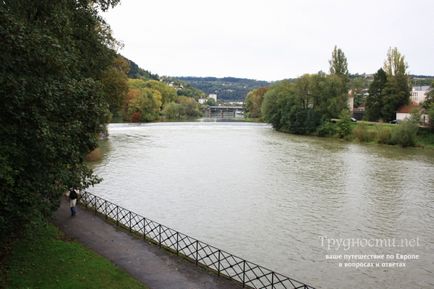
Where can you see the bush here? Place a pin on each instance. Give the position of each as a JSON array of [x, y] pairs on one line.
[[363, 134], [344, 124], [405, 133], [326, 129], [384, 135]]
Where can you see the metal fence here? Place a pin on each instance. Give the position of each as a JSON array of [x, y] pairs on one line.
[[249, 274]]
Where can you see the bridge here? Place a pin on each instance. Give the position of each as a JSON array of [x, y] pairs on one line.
[[224, 111]]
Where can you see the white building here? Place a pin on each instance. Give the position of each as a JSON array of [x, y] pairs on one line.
[[213, 96], [419, 93]]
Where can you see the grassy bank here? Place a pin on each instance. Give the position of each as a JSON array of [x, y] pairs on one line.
[[392, 134], [44, 259]]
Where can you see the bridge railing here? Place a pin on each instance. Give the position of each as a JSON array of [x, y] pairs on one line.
[[221, 262]]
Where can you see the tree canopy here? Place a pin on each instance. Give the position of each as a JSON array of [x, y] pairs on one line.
[[338, 63], [54, 56]]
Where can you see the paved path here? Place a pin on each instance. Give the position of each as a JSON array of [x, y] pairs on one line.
[[151, 265]]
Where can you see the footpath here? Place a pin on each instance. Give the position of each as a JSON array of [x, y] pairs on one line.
[[155, 267]]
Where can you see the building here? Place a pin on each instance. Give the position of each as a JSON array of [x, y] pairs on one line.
[[419, 94], [213, 96], [404, 112]]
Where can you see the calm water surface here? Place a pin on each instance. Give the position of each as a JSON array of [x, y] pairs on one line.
[[272, 198]]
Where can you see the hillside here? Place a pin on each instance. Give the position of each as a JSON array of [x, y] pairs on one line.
[[227, 88]]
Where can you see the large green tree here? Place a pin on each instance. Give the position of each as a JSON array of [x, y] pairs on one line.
[[115, 84], [374, 101], [53, 55], [302, 105], [253, 102], [397, 89], [338, 63]]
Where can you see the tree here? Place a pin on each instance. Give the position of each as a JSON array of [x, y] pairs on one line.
[[143, 104], [374, 101], [395, 63], [430, 112], [429, 100], [211, 102], [397, 90], [53, 56], [115, 83], [338, 63], [168, 93], [253, 102]]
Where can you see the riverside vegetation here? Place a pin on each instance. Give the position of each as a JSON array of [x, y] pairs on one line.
[[317, 104], [60, 81]]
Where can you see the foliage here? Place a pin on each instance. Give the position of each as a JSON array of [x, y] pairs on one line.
[[327, 128], [43, 260], [384, 134], [397, 90], [363, 134], [390, 88], [168, 93], [148, 99], [227, 88], [137, 72], [53, 56], [210, 102], [274, 101], [115, 83], [429, 98], [253, 102], [183, 108], [430, 112], [143, 104], [396, 94], [358, 88], [395, 63], [344, 124], [301, 106], [405, 133], [338, 63], [374, 101]]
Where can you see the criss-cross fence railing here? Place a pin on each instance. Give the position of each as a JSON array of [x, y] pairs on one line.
[[223, 263]]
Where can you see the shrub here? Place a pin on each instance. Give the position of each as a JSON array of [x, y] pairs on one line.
[[326, 129], [405, 133], [362, 133], [384, 135], [344, 124]]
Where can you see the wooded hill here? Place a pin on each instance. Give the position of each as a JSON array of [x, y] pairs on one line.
[[226, 88]]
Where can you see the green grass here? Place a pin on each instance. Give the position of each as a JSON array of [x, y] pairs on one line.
[[44, 260]]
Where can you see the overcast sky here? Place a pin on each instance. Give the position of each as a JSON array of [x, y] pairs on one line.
[[272, 39]]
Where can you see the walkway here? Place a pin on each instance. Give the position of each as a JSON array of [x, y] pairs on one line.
[[149, 264]]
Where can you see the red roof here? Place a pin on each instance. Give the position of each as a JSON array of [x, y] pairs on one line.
[[408, 108]]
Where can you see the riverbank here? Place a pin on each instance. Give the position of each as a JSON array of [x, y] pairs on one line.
[[45, 258], [378, 133], [360, 132]]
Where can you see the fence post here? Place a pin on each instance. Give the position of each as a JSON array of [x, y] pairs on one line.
[[244, 273], [159, 235], [130, 220], [177, 243], [197, 251], [272, 280], [144, 228], [105, 210], [117, 215], [94, 205], [218, 263]]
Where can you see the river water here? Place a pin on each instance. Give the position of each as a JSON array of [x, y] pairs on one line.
[[283, 201]]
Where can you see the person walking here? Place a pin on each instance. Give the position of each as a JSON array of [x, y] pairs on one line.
[[73, 195]]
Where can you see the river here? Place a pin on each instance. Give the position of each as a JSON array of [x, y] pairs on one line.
[[283, 201]]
